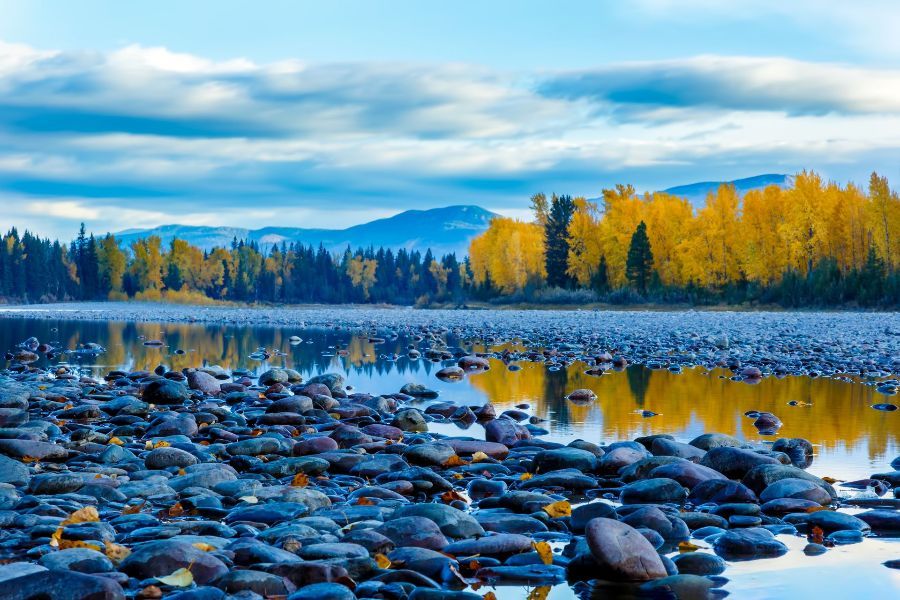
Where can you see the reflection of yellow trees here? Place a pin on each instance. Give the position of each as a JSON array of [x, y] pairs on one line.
[[839, 415]]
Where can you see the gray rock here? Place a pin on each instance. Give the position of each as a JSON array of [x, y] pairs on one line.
[[621, 552]]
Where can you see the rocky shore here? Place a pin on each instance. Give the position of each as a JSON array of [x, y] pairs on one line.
[[204, 484], [765, 343]]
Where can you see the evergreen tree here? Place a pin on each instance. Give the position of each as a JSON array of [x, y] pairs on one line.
[[639, 263], [556, 236]]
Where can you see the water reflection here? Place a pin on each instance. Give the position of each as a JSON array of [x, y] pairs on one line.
[[852, 439]]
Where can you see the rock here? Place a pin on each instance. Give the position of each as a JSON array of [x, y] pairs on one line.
[[203, 382], [164, 458], [734, 463], [800, 489], [830, 521], [83, 560], [666, 447], [653, 490], [581, 396], [161, 558], [505, 431], [273, 376], [708, 441], [882, 521], [621, 552], [452, 522], [699, 563], [165, 392], [61, 585], [747, 544], [799, 450], [764, 475], [420, 532], [561, 458], [502, 545], [258, 582], [20, 449], [13, 472], [410, 419], [417, 390], [687, 474], [323, 591]]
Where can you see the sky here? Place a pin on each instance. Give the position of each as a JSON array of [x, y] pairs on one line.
[[329, 114]]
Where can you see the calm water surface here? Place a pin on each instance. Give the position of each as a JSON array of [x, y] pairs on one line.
[[852, 440]]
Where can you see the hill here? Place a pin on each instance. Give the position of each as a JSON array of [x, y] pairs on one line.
[[696, 192], [444, 230]]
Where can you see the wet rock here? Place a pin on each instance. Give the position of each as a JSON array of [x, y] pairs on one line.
[[882, 521], [83, 560], [748, 544], [799, 450], [734, 463], [162, 558], [708, 441], [653, 490], [800, 489], [505, 431], [410, 419], [420, 532], [561, 458], [418, 390], [621, 552], [452, 522], [323, 591], [165, 392]]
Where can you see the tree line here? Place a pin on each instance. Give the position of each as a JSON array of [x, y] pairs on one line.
[[90, 268], [812, 243]]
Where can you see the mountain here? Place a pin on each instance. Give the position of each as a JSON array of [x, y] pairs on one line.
[[696, 192], [444, 230]]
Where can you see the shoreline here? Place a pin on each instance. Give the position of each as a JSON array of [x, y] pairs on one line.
[[818, 343]]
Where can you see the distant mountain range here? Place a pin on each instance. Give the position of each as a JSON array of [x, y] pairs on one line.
[[696, 192], [444, 230]]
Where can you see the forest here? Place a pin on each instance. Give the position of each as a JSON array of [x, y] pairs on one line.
[[814, 243]]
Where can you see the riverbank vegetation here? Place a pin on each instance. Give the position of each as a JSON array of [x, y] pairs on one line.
[[811, 244]]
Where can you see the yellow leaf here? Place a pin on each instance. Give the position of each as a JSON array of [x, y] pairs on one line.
[[116, 442], [687, 547], [203, 546], [182, 472], [88, 514], [490, 596], [559, 509], [479, 456], [180, 578], [66, 544], [544, 551], [30, 459], [539, 593], [382, 561], [525, 476], [831, 480], [161, 444], [116, 553], [458, 476], [300, 480]]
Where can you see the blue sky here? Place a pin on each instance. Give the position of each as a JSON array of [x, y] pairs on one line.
[[135, 114]]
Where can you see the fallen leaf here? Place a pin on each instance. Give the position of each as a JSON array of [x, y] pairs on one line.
[[300, 480], [479, 457], [817, 535], [176, 510], [687, 547], [458, 476], [831, 480], [559, 509], [30, 459], [161, 444], [116, 441], [455, 461], [66, 544], [382, 561], [539, 593], [544, 551], [151, 592], [182, 472], [363, 501], [813, 509], [134, 508], [203, 546], [525, 476], [116, 552], [490, 596], [88, 514], [249, 499], [448, 497], [180, 578]]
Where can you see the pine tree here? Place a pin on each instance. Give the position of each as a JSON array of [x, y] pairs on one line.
[[556, 232], [600, 277], [639, 264]]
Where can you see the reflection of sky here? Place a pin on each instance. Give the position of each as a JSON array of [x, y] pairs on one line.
[[852, 440]]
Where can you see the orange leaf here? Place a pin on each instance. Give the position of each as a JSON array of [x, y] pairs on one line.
[[382, 561], [363, 501], [133, 509], [559, 509], [544, 551], [490, 596], [455, 461], [525, 476], [116, 553], [687, 547], [176, 510], [300, 480], [448, 497], [116, 442], [817, 535]]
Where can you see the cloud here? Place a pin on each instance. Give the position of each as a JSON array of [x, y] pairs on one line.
[[646, 89], [145, 136]]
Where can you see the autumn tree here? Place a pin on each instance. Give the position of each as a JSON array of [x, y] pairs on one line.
[[112, 265]]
